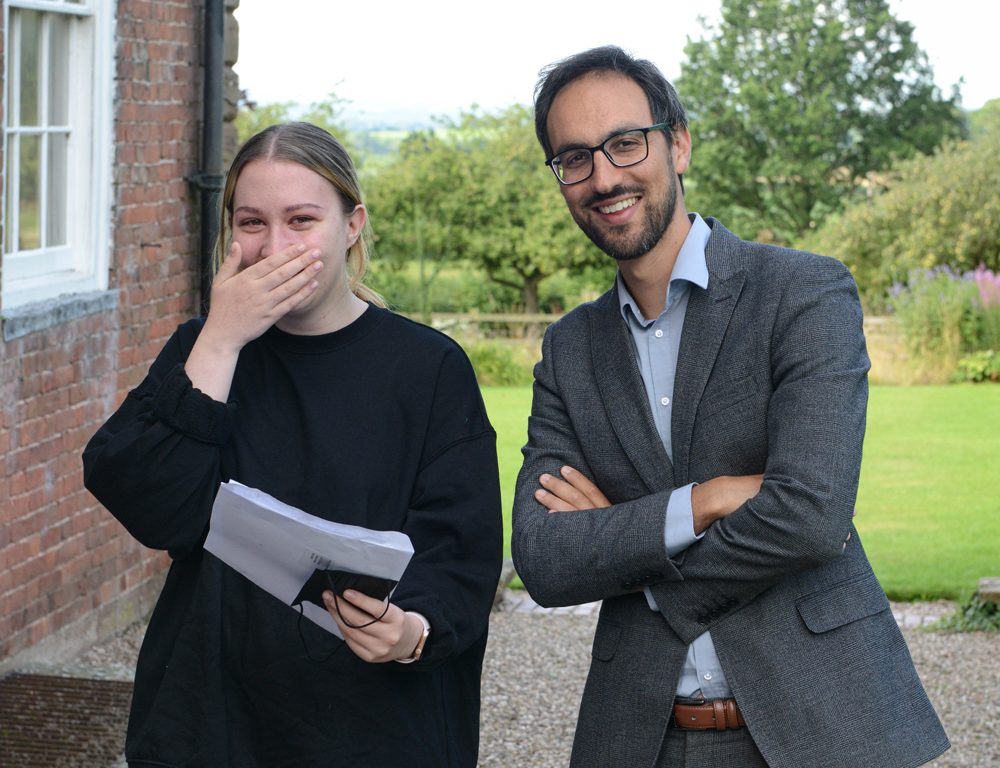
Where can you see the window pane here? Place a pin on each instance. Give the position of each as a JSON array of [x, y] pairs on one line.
[[31, 29], [58, 69], [8, 230], [55, 227], [28, 214]]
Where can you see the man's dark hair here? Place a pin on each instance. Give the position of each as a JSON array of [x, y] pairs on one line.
[[664, 102]]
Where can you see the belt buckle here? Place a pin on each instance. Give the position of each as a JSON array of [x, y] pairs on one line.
[[690, 701]]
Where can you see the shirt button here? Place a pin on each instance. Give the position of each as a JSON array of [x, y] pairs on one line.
[[658, 334], [708, 675], [664, 401]]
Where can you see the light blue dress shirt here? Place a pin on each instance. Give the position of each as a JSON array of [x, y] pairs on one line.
[[656, 343]]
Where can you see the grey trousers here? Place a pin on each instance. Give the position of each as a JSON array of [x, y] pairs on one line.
[[709, 749]]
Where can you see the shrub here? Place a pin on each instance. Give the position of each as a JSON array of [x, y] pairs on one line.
[[456, 288], [567, 288], [977, 615], [931, 210], [983, 330], [933, 310], [497, 364], [980, 366]]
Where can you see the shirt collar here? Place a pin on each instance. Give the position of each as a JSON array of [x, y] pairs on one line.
[[690, 267]]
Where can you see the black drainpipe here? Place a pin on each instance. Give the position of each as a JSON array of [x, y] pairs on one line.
[[210, 179]]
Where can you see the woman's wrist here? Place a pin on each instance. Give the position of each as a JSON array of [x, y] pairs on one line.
[[418, 630]]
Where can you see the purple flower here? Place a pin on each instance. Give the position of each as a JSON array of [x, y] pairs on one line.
[[989, 285]]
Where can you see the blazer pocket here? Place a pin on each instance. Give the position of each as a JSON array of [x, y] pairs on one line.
[[606, 639], [842, 603], [729, 394]]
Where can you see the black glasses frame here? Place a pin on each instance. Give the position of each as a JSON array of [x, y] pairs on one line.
[[554, 161]]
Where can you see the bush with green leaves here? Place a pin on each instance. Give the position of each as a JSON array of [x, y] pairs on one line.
[[978, 367], [498, 364], [567, 288], [943, 315], [940, 209], [455, 288], [977, 615]]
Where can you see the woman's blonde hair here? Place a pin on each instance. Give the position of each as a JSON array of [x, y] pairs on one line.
[[316, 149]]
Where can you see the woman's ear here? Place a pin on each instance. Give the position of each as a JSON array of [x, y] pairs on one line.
[[355, 223]]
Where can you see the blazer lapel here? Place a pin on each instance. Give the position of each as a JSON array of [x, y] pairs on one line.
[[620, 385], [708, 314]]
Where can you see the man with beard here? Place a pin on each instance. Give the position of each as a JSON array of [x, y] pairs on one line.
[[692, 461]]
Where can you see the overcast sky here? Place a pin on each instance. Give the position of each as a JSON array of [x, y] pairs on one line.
[[405, 57]]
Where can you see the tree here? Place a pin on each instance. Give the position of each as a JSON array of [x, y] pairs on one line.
[[476, 190], [415, 209], [986, 119], [793, 103]]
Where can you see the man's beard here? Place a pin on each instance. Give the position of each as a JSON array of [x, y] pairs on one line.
[[655, 221]]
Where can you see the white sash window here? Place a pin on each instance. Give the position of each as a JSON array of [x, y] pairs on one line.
[[58, 63]]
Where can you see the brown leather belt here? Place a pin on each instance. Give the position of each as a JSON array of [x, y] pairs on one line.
[[717, 714]]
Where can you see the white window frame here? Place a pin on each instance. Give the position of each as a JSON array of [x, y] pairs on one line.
[[82, 264]]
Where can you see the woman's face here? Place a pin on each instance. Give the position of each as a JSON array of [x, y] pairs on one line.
[[278, 203]]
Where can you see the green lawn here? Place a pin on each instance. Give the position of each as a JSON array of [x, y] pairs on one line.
[[929, 502]]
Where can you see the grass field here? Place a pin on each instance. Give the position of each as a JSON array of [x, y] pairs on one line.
[[929, 501]]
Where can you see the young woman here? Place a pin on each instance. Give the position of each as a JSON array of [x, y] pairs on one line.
[[300, 383]]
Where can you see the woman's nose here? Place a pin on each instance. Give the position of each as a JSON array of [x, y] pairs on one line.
[[276, 240]]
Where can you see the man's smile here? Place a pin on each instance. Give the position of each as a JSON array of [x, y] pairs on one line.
[[621, 205]]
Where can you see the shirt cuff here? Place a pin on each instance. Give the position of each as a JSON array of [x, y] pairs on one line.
[[179, 405], [678, 531]]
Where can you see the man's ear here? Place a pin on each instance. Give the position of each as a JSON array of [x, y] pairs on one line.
[[680, 146]]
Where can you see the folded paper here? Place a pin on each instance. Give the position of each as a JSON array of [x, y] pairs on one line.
[[279, 547]]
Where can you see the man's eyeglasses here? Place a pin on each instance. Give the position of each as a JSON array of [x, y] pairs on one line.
[[622, 149]]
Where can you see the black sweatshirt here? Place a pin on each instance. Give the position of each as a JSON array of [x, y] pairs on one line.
[[379, 424]]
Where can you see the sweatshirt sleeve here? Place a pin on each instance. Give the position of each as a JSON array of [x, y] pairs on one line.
[[454, 517], [155, 464]]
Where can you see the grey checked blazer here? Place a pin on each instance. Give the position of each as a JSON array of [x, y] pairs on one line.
[[771, 377]]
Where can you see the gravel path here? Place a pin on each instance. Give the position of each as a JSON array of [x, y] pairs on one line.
[[536, 664]]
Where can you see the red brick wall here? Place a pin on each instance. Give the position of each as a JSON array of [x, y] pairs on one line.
[[68, 571]]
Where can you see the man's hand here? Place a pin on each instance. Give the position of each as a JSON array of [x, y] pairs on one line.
[[394, 636], [721, 496], [569, 493]]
